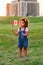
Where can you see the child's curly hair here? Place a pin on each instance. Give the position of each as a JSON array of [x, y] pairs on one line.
[[25, 21]]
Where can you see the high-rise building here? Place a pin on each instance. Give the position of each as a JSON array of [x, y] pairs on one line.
[[28, 8], [8, 9], [33, 9], [23, 8], [12, 9]]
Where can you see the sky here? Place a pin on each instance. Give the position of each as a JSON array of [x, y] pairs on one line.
[[3, 6], [41, 7]]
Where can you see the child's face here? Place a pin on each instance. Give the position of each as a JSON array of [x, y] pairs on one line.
[[21, 23]]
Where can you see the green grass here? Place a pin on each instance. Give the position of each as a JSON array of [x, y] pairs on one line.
[[8, 43], [6, 20]]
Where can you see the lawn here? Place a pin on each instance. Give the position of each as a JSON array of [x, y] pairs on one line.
[[8, 42]]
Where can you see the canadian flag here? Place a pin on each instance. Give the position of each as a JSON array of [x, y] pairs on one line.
[[15, 22]]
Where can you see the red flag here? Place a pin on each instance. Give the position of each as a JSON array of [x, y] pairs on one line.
[[12, 22]]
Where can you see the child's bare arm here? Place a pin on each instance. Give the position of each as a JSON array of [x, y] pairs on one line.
[[16, 33]]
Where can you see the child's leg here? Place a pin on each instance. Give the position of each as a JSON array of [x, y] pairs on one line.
[[25, 52], [20, 52]]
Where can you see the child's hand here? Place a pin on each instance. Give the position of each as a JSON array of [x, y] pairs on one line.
[[23, 34], [12, 30], [16, 33]]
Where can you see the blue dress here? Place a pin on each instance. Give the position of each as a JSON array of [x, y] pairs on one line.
[[22, 40]]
